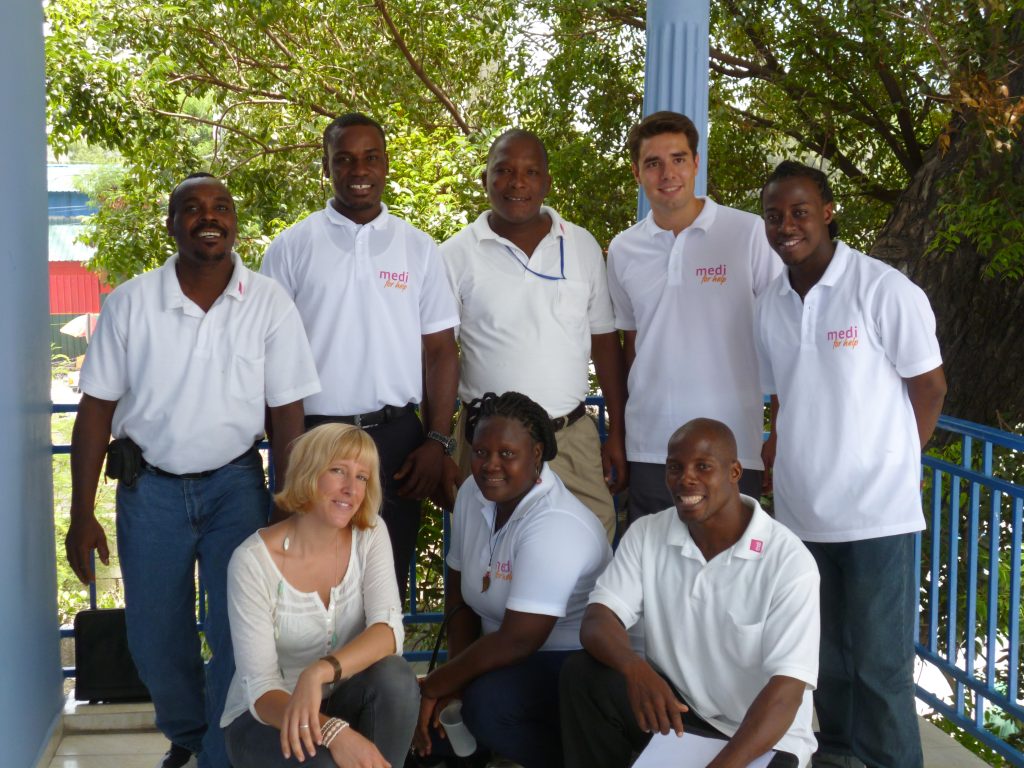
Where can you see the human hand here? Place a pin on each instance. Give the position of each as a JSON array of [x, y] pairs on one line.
[[353, 750], [768, 457], [444, 495], [300, 726], [85, 535], [613, 457], [429, 712], [422, 470], [653, 701]]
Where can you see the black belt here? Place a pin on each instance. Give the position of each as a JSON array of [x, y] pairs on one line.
[[196, 475], [365, 420], [569, 419]]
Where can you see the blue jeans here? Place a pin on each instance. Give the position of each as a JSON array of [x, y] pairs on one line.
[[164, 526], [382, 703], [865, 696]]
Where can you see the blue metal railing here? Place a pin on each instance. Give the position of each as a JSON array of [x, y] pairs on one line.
[[968, 578]]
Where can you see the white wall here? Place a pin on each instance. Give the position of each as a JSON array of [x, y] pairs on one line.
[[30, 685]]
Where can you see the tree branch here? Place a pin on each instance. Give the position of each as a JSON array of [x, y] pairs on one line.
[[822, 145], [433, 87], [269, 151], [215, 123]]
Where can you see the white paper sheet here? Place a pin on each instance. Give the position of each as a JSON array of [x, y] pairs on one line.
[[690, 751]]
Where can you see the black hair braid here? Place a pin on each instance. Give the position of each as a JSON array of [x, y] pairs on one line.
[[514, 405]]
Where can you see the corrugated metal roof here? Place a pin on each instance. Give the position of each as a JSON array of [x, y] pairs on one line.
[[60, 177], [63, 246]]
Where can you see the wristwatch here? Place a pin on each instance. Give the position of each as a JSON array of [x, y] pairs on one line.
[[447, 442]]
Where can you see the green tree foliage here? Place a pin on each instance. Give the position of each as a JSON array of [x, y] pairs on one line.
[[887, 96], [244, 89]]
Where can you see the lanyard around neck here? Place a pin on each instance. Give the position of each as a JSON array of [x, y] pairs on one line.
[[561, 262]]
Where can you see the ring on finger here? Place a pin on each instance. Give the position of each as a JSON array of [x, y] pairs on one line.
[[304, 725]]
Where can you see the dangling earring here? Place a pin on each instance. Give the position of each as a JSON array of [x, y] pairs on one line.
[[537, 481]]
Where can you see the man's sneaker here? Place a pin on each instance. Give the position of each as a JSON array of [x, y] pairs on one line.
[[177, 757]]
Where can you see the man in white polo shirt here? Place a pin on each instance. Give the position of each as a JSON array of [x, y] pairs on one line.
[[184, 361], [848, 345], [379, 315], [683, 282], [728, 602], [534, 309]]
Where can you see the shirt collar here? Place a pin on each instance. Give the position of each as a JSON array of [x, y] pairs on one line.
[[703, 221], [377, 223], [835, 269], [751, 544], [173, 297], [482, 226]]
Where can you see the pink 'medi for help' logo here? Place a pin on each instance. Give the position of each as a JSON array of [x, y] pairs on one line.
[[756, 545]]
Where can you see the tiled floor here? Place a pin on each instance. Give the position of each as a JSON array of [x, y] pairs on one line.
[[121, 736]]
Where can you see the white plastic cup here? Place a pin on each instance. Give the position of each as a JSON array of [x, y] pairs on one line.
[[462, 741]]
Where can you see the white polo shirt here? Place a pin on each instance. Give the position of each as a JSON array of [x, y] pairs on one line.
[[367, 295], [721, 630], [544, 560], [690, 298], [848, 462], [520, 331], [190, 385]]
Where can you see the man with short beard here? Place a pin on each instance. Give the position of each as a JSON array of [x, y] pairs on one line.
[[183, 364]]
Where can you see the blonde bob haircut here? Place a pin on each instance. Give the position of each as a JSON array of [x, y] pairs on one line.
[[313, 452]]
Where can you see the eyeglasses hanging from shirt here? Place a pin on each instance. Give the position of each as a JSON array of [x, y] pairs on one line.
[[561, 262]]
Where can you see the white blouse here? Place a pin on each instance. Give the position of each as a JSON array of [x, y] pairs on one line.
[[277, 631]]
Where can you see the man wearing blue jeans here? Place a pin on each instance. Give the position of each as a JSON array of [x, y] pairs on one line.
[[848, 345], [184, 361]]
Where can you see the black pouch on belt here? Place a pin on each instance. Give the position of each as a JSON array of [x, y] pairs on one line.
[[124, 461]]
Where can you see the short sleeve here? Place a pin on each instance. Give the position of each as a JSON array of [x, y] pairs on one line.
[[458, 524], [600, 315], [550, 558], [438, 310], [621, 305], [620, 587], [793, 625], [290, 371], [251, 617], [105, 370], [906, 325]]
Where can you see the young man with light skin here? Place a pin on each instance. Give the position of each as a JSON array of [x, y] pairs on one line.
[[728, 602], [184, 360], [380, 317], [683, 283], [534, 311], [848, 344]]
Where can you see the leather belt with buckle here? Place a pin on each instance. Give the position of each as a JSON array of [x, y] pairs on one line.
[[365, 420], [569, 419]]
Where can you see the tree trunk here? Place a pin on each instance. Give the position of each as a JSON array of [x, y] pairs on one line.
[[980, 320]]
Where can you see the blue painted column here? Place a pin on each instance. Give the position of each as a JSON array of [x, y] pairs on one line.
[[30, 694], [676, 76]]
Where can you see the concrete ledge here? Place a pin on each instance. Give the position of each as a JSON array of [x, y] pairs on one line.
[[82, 717], [943, 751]]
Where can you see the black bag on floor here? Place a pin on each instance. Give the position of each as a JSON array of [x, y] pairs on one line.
[[104, 670]]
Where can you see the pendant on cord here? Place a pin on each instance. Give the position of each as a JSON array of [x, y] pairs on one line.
[[486, 581]]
